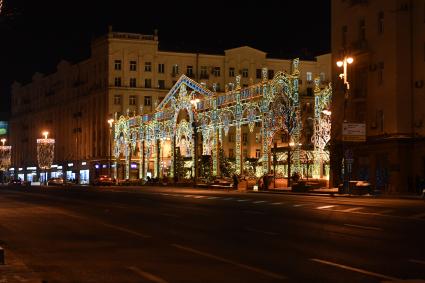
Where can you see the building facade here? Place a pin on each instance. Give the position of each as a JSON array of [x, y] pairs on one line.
[[125, 74], [386, 39]]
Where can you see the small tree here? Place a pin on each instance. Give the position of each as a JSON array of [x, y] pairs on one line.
[[206, 166], [225, 165], [180, 169]]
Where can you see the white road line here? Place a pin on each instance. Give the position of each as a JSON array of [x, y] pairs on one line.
[[228, 198], [259, 201], [199, 196], [241, 265], [419, 215], [363, 227], [352, 209], [298, 205], [276, 203], [325, 207], [417, 261], [147, 275], [241, 200], [213, 197], [355, 269], [260, 231], [188, 196]]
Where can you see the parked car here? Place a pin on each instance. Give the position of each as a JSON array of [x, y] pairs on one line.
[[55, 182], [103, 180], [18, 183]]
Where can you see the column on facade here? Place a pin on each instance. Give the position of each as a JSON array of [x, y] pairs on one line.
[[265, 146], [173, 156], [146, 151], [127, 159], [238, 148], [156, 159]]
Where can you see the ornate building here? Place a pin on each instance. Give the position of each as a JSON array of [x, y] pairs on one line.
[[263, 121]]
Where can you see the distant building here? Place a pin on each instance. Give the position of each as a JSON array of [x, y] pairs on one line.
[[386, 38], [126, 73]]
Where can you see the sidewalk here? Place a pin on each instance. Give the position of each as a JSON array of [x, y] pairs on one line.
[[15, 271]]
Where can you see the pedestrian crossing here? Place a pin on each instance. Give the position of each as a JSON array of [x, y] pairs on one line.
[[299, 205]]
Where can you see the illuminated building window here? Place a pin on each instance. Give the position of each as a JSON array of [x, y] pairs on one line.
[[133, 65], [117, 81], [132, 100], [322, 77], [117, 65], [245, 73], [217, 71], [161, 68], [231, 72], [148, 66], [132, 82], [117, 99], [148, 101], [148, 83], [309, 76]]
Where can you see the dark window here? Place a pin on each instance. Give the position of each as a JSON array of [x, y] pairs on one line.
[[231, 72], [118, 81], [257, 153], [270, 74], [381, 73], [148, 83], [133, 82], [258, 73], [133, 65], [189, 71], [161, 68], [309, 91], [175, 70], [117, 64], [245, 137], [217, 71], [245, 73], [161, 84], [381, 22], [204, 72], [231, 153]]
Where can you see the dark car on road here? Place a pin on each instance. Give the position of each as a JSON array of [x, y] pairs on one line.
[[103, 180], [18, 183]]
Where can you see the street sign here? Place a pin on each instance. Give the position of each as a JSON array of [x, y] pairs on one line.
[[354, 132]]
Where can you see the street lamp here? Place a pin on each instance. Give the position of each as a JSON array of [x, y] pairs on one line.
[[110, 122], [344, 76], [45, 153]]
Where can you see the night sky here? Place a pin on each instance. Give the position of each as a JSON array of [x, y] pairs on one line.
[[36, 35]]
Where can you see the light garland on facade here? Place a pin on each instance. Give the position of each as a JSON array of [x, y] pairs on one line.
[[5, 157], [45, 152]]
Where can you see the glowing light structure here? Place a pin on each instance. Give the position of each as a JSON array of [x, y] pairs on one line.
[[5, 155], [45, 152], [191, 109]]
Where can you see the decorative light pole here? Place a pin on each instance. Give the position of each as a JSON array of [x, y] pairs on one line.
[[195, 102], [45, 153], [5, 156], [111, 123], [344, 76]]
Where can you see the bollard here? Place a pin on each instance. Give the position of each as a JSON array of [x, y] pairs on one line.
[[1, 256]]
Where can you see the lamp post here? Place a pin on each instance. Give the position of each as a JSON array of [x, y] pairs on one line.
[[344, 76], [45, 153], [110, 122], [5, 156]]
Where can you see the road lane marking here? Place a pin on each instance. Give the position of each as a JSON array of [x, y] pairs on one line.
[[213, 197], [259, 201], [188, 196], [228, 198], [147, 275], [364, 227], [199, 196], [225, 260], [276, 203], [352, 209], [260, 231], [417, 261], [241, 200], [325, 207], [298, 205], [362, 271]]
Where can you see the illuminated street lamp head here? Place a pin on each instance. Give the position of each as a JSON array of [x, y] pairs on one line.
[[350, 60], [110, 121], [3, 141], [327, 112], [45, 134], [339, 63]]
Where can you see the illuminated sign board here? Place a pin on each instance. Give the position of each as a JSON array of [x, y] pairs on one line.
[[3, 128]]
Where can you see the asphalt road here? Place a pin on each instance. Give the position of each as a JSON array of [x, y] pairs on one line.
[[180, 235]]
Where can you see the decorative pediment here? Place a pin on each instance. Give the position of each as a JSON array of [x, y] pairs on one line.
[[179, 89]]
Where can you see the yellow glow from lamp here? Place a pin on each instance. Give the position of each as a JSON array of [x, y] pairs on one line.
[[45, 134], [350, 60], [110, 121], [339, 63], [3, 141]]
